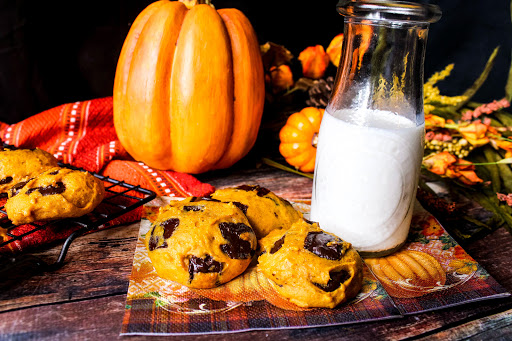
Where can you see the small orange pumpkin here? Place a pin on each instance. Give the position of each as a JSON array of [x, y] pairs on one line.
[[408, 273], [299, 138], [189, 87]]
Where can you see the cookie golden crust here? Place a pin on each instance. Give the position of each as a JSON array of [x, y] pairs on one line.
[[265, 210], [200, 244], [22, 164], [54, 194], [309, 267]]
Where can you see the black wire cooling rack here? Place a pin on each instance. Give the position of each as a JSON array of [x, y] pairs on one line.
[[120, 198]]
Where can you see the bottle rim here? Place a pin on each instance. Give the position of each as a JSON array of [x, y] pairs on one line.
[[386, 10]]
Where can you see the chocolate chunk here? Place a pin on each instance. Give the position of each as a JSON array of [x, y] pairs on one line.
[[241, 206], [205, 198], [237, 248], [153, 242], [336, 278], [324, 245], [204, 265], [309, 221], [277, 245], [169, 226], [6, 180], [48, 190], [16, 188], [193, 208], [261, 191]]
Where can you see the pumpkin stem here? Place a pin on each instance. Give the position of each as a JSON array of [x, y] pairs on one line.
[[314, 140], [192, 3]]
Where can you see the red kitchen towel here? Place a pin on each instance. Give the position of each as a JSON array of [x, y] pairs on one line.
[[82, 134]]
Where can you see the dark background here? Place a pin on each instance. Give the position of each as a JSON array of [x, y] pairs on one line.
[[55, 52]]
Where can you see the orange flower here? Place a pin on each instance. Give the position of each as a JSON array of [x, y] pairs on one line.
[[280, 78], [439, 163], [447, 165], [465, 172], [432, 229], [314, 61], [506, 145], [433, 120], [334, 49], [475, 133]]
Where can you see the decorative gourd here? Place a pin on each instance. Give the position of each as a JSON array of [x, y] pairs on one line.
[[189, 87], [408, 273], [299, 138]]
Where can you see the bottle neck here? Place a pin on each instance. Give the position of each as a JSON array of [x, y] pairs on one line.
[[381, 67]]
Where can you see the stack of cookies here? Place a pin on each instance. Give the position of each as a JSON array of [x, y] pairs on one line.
[[206, 242], [38, 189]]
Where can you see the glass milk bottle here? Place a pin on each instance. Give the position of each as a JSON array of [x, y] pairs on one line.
[[371, 138]]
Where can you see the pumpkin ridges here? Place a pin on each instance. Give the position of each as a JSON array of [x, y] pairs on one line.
[[292, 149], [138, 97], [121, 106], [202, 92], [299, 138], [314, 116], [290, 134], [249, 86], [302, 123], [302, 159], [147, 92]]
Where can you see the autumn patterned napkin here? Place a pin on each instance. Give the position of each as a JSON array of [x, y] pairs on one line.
[[431, 272]]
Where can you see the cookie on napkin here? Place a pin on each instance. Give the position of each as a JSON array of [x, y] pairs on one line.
[[200, 244], [309, 267]]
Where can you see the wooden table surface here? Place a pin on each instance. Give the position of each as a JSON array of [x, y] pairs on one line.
[[85, 298]]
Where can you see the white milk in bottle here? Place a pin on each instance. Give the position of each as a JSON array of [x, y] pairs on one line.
[[367, 169]]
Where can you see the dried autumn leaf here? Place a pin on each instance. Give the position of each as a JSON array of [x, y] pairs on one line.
[[434, 120], [334, 49], [439, 163], [475, 133], [280, 78], [274, 55], [314, 61], [505, 145]]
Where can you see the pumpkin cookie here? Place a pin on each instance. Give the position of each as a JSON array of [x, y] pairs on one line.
[[309, 267], [22, 164], [200, 244], [56, 193], [265, 210]]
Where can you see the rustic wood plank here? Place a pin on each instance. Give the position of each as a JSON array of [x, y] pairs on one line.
[[97, 264], [288, 185], [497, 326], [88, 319], [494, 253]]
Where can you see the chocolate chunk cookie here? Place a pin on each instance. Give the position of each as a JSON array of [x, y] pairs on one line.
[[22, 164], [265, 210], [310, 267], [200, 243], [54, 194]]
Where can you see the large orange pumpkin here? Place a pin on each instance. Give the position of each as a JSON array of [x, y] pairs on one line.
[[189, 87]]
